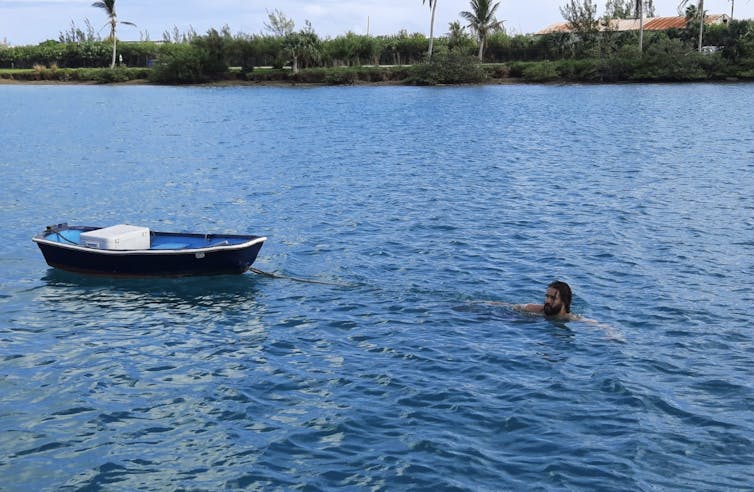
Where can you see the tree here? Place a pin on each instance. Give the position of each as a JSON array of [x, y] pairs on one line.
[[639, 6], [176, 36], [213, 47], [628, 9], [698, 11], [702, 13], [78, 35], [109, 7], [302, 46], [179, 63], [619, 9], [457, 38], [482, 20], [581, 16], [279, 25], [433, 6], [690, 14], [649, 8]]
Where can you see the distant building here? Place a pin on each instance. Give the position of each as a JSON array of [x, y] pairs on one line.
[[650, 24]]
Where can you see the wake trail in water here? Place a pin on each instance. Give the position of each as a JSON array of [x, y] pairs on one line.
[[299, 279]]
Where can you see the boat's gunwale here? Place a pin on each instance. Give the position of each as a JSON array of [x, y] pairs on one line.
[[40, 239]]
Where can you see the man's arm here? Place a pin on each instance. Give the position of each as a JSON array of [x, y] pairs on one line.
[[528, 308], [531, 308]]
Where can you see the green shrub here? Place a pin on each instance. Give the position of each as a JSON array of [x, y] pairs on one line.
[[341, 77], [516, 69], [667, 59], [621, 65], [109, 76], [585, 70], [210, 49], [545, 71], [498, 71], [265, 75], [449, 69], [179, 64]]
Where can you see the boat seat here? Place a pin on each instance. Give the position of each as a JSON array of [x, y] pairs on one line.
[[170, 246]]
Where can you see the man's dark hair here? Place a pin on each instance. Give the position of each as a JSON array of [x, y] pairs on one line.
[[565, 293]]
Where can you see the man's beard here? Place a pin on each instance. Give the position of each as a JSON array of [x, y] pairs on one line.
[[551, 310]]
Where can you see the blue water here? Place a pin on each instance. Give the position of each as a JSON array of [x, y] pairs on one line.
[[409, 207]]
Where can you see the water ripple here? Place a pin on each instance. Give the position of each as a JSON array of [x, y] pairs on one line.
[[421, 204]]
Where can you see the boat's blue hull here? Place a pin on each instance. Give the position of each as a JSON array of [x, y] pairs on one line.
[[172, 254]]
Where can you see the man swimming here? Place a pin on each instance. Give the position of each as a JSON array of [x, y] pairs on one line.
[[557, 302], [557, 306]]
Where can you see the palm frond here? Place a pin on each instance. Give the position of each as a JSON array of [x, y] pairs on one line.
[[467, 15], [107, 5]]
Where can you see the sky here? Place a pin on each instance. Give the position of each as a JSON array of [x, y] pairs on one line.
[[26, 22]]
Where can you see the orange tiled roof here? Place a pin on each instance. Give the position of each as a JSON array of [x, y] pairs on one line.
[[650, 24]]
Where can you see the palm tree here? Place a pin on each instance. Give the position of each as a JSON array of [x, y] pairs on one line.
[[700, 13], [433, 6], [456, 35], [701, 23], [109, 7], [482, 20]]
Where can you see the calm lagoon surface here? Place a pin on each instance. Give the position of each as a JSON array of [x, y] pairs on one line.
[[409, 207]]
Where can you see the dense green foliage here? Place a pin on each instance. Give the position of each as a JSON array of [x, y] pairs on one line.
[[97, 75], [77, 55], [449, 69], [603, 57]]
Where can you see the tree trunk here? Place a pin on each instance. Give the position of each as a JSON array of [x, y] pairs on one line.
[[481, 48], [701, 23], [432, 30], [641, 26], [112, 35]]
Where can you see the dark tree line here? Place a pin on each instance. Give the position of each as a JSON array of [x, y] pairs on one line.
[[197, 58]]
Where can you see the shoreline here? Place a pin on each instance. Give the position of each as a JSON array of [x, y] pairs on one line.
[[253, 83], [360, 83], [413, 76]]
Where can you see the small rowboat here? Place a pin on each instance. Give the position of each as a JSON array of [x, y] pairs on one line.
[[132, 251]]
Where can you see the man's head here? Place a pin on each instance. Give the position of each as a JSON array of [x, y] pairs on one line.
[[557, 299]]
